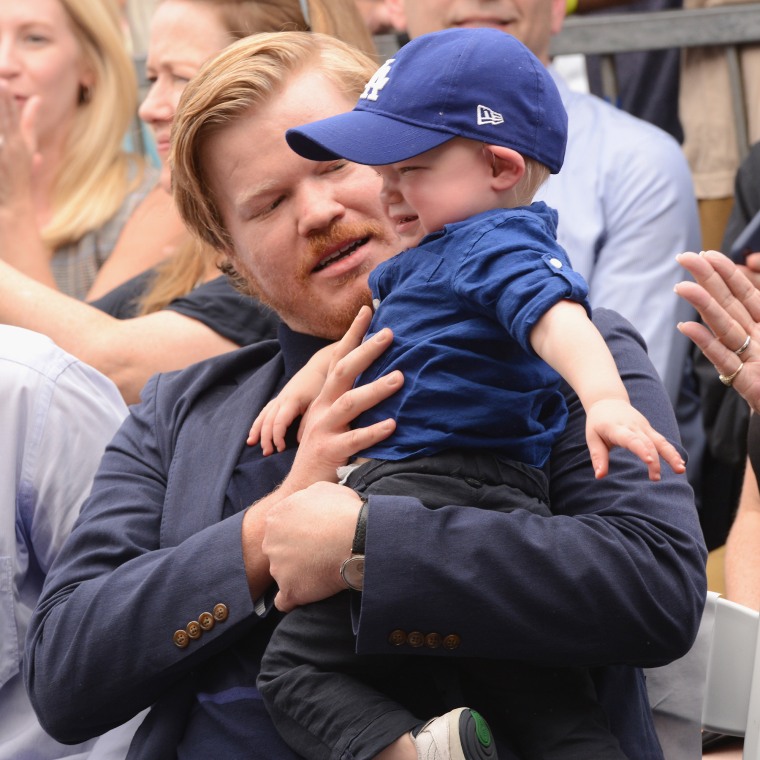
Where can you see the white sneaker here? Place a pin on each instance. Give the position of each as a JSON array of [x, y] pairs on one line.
[[460, 734]]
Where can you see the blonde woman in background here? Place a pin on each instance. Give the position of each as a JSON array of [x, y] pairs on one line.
[[69, 190], [183, 310]]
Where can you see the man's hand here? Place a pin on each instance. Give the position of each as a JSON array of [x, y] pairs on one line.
[[328, 440], [306, 538]]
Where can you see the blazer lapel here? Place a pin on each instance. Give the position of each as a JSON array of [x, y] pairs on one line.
[[208, 446]]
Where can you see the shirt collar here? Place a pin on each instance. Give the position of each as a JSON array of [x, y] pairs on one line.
[[297, 348]]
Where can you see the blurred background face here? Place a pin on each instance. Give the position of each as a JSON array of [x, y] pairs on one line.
[[378, 16], [40, 56], [183, 36], [532, 21]]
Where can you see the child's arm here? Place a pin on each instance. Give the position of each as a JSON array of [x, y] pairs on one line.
[[293, 400], [566, 339]]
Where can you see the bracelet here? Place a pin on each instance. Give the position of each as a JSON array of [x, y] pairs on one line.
[[571, 6]]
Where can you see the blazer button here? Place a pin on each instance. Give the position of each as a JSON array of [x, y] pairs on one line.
[[433, 640], [397, 638], [416, 639], [181, 639], [206, 621], [452, 641], [193, 629], [220, 613]]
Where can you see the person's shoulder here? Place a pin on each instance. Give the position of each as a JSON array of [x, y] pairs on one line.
[[231, 368], [22, 348], [36, 373], [213, 389], [589, 115], [240, 318]]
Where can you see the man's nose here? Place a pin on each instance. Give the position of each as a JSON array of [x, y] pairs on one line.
[[319, 206]]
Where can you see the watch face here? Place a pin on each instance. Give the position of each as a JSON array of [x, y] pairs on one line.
[[352, 572]]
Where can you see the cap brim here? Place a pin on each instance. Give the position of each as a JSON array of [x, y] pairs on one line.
[[364, 138]]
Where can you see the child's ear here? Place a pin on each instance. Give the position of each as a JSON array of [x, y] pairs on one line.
[[507, 166]]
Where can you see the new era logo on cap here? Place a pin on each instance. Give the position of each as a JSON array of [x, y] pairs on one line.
[[488, 116], [435, 88]]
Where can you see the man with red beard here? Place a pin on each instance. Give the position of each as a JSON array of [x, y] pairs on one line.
[[163, 595]]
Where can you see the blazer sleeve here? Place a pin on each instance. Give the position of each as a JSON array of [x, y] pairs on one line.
[[100, 646], [615, 575]]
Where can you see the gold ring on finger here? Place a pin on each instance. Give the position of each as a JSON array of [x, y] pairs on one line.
[[729, 379]]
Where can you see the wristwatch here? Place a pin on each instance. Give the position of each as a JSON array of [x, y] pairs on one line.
[[352, 569]]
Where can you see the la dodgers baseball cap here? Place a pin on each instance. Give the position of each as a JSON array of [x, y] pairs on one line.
[[482, 84]]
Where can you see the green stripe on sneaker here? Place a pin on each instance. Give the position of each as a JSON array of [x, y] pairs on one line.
[[482, 730]]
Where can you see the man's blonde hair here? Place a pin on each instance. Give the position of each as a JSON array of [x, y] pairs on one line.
[[248, 73]]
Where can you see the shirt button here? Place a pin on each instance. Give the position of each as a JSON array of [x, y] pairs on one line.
[[220, 613], [433, 640], [181, 639], [193, 629], [556, 263], [452, 641], [206, 621], [375, 303], [397, 638], [416, 639]]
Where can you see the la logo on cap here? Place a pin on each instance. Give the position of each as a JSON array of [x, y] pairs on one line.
[[379, 80], [489, 116]]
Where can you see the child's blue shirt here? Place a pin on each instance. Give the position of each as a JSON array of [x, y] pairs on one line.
[[462, 305]]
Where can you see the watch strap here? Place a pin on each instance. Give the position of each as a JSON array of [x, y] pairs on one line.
[[360, 536]]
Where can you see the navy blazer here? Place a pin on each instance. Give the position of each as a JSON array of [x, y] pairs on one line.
[[614, 581]]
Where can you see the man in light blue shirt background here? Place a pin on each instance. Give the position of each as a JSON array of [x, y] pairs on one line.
[[56, 417], [624, 195]]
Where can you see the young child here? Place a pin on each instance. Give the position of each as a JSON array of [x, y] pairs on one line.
[[463, 126]]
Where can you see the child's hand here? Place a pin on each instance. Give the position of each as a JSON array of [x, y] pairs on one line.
[[275, 418], [612, 422], [295, 398]]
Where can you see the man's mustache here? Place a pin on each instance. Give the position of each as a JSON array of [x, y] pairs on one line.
[[342, 233]]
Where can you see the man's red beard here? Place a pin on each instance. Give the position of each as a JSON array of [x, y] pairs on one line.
[[301, 300]]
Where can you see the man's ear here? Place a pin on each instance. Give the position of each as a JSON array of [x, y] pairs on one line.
[[559, 9], [507, 166]]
